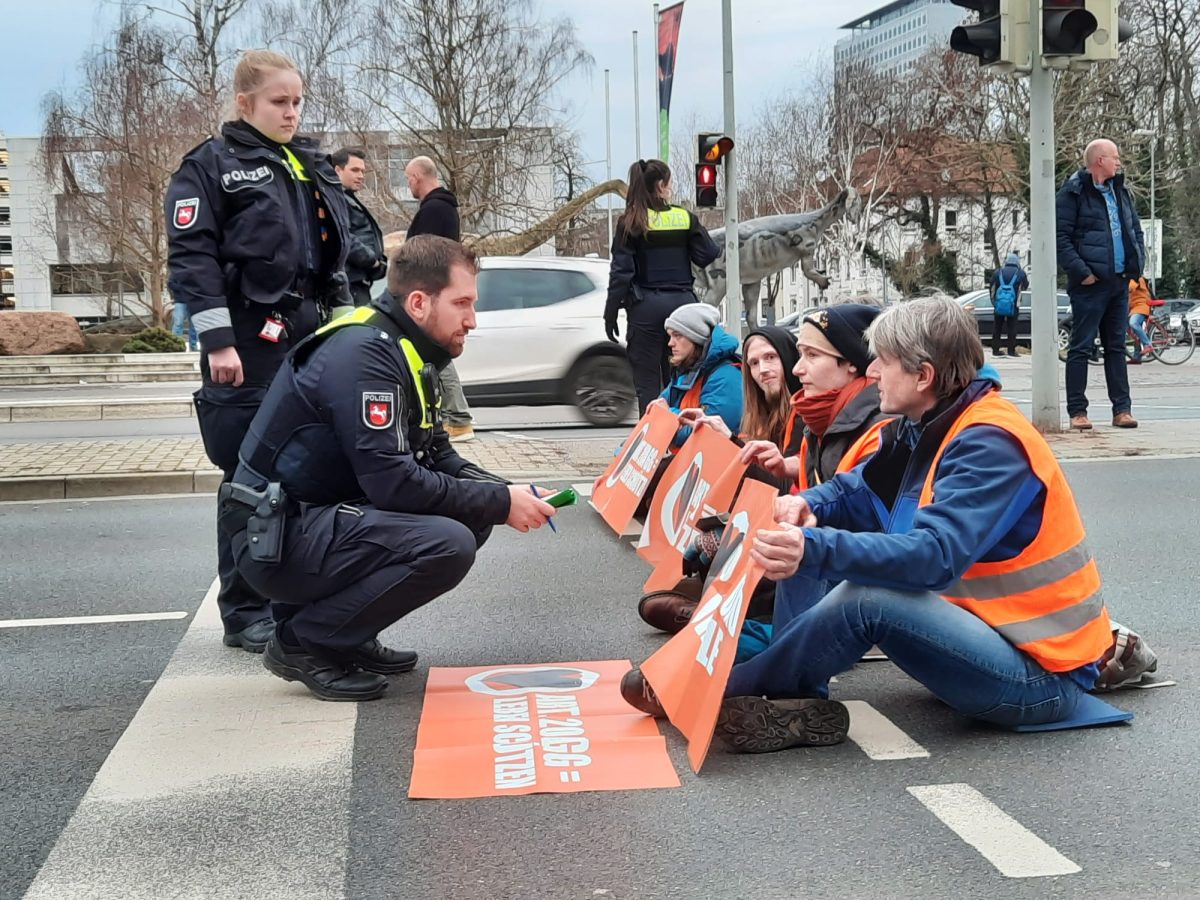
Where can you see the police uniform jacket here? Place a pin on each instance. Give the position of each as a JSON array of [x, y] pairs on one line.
[[661, 259], [243, 229], [345, 421]]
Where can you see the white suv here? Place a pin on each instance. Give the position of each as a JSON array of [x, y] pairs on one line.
[[540, 339]]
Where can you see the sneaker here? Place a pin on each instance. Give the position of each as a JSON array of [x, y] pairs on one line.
[[1080, 423], [667, 611], [1126, 661], [636, 691], [759, 725], [460, 434]]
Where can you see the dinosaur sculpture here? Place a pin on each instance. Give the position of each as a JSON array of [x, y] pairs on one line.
[[771, 244]]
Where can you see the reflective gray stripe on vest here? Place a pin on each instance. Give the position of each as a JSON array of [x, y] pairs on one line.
[[1039, 575], [208, 319], [1054, 624]]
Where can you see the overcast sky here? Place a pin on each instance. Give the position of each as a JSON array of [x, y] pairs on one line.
[[774, 42]]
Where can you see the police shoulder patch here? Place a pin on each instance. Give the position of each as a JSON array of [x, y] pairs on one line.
[[378, 409], [186, 212]]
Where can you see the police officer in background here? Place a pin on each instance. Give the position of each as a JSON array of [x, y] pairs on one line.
[[366, 262], [650, 275], [257, 234], [350, 509]]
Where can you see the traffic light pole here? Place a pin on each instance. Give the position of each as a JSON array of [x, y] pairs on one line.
[[1043, 279], [733, 286]]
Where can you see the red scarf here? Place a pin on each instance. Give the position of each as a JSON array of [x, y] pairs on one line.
[[820, 411]]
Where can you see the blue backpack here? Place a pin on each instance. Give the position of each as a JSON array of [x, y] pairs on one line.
[[1006, 295]]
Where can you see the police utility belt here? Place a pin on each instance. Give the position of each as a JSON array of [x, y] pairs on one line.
[[261, 514]]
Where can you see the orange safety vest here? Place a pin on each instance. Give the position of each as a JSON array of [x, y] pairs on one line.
[[866, 444], [1045, 600]]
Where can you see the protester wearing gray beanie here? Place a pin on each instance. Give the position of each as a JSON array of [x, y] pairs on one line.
[[695, 321]]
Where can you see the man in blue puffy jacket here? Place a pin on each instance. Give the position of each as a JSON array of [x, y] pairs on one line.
[[1101, 247]]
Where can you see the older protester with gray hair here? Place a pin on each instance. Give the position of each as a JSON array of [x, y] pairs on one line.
[[960, 550]]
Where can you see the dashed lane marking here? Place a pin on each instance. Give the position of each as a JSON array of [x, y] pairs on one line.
[[1003, 841], [878, 737], [92, 620]]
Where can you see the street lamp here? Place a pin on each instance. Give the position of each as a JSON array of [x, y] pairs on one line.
[[1152, 135]]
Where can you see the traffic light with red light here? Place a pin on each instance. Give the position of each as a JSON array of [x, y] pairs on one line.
[[706, 185], [711, 150]]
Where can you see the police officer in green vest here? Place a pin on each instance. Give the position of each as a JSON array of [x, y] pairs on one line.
[[650, 276], [349, 508]]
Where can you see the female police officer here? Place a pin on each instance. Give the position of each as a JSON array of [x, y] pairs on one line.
[[257, 230], [653, 249]]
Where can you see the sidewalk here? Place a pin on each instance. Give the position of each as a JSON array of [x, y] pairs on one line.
[[103, 468]]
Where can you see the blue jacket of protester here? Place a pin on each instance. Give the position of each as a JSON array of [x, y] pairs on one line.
[[1085, 244], [721, 394]]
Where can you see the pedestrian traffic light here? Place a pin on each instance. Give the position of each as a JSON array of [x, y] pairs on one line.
[[706, 185], [1066, 26], [1110, 30], [1000, 37]]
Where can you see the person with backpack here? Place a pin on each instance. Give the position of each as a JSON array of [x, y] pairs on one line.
[[1007, 284]]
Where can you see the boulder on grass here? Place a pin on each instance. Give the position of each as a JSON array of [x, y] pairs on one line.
[[39, 333]]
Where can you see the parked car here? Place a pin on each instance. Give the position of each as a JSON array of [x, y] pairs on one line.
[[1192, 320], [980, 303], [1176, 306]]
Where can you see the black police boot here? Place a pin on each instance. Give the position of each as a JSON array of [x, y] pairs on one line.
[[253, 637], [374, 657], [326, 678]]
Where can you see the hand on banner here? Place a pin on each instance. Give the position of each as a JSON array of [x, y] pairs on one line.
[[794, 510], [768, 456], [526, 511], [779, 552], [694, 417]]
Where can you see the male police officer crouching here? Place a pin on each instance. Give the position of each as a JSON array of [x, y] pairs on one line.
[[349, 509]]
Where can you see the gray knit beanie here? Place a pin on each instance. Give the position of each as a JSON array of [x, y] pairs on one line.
[[695, 321]]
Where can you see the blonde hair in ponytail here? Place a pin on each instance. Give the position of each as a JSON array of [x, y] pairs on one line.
[[252, 70]]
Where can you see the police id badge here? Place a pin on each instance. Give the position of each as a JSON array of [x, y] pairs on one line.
[[273, 329], [378, 409]]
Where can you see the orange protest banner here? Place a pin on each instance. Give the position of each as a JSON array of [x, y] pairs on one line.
[[617, 492], [700, 481], [491, 731], [690, 671]]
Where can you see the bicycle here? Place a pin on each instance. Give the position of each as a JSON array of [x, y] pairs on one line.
[[1171, 342]]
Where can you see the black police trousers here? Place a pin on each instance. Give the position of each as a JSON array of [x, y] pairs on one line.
[[224, 413], [349, 571], [646, 340]]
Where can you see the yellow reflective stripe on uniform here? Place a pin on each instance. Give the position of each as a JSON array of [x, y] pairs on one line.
[[296, 167], [360, 316], [415, 365], [1038, 575], [675, 218]]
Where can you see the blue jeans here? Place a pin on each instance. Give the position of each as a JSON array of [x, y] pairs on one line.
[[1138, 323], [963, 661], [179, 318], [1101, 308]]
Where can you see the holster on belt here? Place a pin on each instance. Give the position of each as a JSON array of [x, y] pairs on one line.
[[261, 514]]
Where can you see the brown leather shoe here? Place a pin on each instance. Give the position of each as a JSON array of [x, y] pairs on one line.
[[636, 691], [1124, 420], [668, 611], [1081, 423]]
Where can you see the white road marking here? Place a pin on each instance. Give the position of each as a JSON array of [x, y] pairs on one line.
[[228, 781], [877, 736], [583, 489], [1003, 841], [92, 620]]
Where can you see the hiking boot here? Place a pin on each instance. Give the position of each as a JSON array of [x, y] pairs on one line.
[[325, 677], [1124, 420], [636, 691], [758, 725], [375, 657], [252, 638], [1080, 423], [667, 611], [460, 434], [1127, 660]]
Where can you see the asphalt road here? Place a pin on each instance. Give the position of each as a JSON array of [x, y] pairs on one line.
[[1117, 802]]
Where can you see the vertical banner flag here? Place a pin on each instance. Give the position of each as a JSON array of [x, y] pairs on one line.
[[701, 480], [616, 493], [668, 48], [690, 671], [492, 731]]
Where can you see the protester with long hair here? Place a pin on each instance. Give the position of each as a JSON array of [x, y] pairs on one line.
[[654, 247], [257, 233]]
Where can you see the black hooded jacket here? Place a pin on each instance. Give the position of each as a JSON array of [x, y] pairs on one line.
[[438, 215]]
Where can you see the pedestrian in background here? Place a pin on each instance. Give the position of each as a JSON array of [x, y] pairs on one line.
[[1101, 247], [257, 233], [1007, 284], [650, 275], [438, 215], [365, 260], [1139, 310], [181, 324]]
